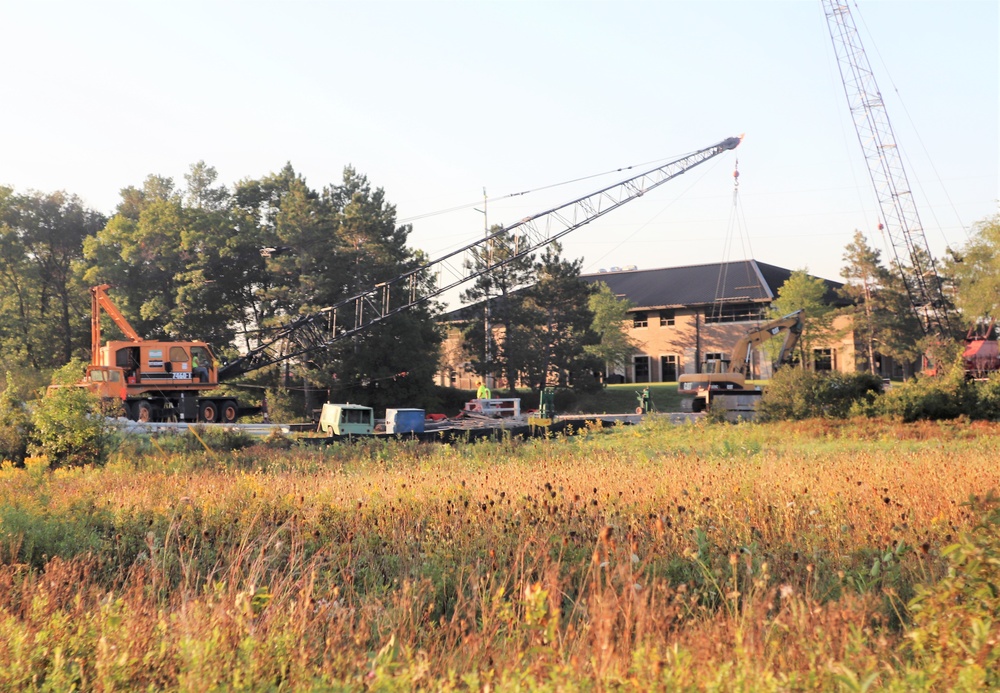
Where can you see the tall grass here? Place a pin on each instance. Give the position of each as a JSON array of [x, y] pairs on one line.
[[689, 557]]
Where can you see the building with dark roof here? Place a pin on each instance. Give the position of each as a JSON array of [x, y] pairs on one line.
[[683, 317]]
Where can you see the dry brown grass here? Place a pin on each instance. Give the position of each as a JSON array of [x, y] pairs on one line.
[[743, 557]]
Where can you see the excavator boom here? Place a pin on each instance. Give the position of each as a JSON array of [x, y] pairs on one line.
[[740, 360]]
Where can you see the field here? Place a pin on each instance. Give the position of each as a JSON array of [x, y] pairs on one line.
[[654, 557]]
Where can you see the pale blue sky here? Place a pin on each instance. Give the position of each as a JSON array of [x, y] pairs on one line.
[[434, 101]]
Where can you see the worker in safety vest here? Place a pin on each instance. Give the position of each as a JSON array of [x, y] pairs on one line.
[[197, 370], [483, 392]]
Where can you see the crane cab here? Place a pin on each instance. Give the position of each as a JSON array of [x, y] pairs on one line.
[[150, 365]]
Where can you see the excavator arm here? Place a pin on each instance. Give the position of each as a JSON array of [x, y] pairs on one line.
[[792, 323], [732, 379]]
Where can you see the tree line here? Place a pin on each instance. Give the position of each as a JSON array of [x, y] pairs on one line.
[[227, 265]]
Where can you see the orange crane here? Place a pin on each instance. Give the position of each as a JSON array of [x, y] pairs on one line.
[[154, 379]]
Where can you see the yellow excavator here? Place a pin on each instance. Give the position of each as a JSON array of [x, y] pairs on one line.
[[729, 375]]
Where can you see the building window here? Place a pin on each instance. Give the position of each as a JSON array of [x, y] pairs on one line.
[[641, 364], [823, 360], [640, 320], [668, 368], [666, 318], [737, 312]]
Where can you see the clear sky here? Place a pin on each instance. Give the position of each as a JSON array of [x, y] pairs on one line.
[[435, 101]]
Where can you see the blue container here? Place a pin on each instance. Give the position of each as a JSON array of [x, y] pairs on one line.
[[404, 420]]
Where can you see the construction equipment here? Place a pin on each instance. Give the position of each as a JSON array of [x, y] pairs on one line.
[[981, 356], [885, 166], [900, 219], [347, 420], [155, 380], [729, 375], [323, 328], [546, 414]]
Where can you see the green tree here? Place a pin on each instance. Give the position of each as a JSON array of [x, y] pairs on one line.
[[44, 302], [15, 424], [332, 246], [138, 252], [183, 264], [70, 428], [498, 291], [976, 270], [18, 289], [883, 321], [901, 334], [610, 324], [209, 290], [808, 293], [255, 207], [395, 362], [934, 340], [560, 324]]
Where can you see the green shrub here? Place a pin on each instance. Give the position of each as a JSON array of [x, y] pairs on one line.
[[798, 394], [73, 372], [450, 401], [929, 397], [563, 400], [955, 620], [70, 428], [987, 402]]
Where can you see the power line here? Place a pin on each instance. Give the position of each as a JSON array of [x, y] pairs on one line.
[[471, 205]]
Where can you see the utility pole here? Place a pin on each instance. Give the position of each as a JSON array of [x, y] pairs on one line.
[[488, 249]]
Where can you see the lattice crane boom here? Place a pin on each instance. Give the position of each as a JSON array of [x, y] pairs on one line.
[[885, 166], [350, 316]]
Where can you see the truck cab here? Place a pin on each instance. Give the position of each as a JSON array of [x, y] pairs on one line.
[[106, 383]]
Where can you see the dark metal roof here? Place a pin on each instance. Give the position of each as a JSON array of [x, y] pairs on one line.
[[746, 281]]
